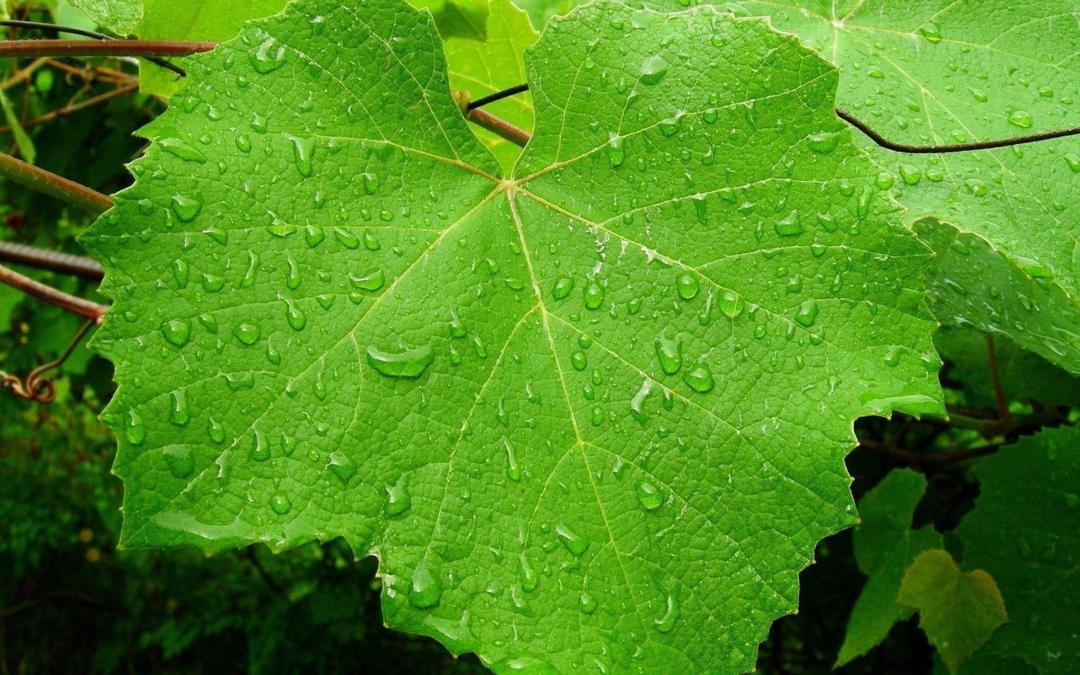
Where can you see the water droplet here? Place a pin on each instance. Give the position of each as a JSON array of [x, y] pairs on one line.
[[563, 286], [823, 143], [178, 408], [669, 353], [424, 590], [790, 225], [294, 315], [176, 332], [594, 294], [179, 459], [700, 379], [371, 242], [653, 70], [303, 149], [260, 449], [181, 149], [687, 286], [341, 466], [247, 333], [513, 470], [615, 151], [292, 279], [134, 430], [671, 613], [573, 542], [215, 431], [1022, 119], [398, 500], [649, 496], [185, 208], [807, 313], [269, 56], [280, 504], [181, 273], [731, 304], [930, 32], [911, 175], [372, 281], [1073, 160], [587, 603], [579, 361], [408, 363]]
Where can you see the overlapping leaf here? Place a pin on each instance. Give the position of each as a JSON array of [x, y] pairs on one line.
[[119, 16], [1007, 221], [1023, 532], [590, 416]]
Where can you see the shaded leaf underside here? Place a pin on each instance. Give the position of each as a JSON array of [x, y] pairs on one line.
[[593, 415]]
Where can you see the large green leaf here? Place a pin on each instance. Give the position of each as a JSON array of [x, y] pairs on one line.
[[1024, 532], [940, 71], [885, 546], [593, 415]]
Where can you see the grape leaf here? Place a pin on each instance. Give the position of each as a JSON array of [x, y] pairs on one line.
[[1023, 531], [192, 20], [458, 18], [542, 11], [496, 62], [1024, 376], [591, 415], [958, 611], [885, 546], [945, 72], [119, 16]]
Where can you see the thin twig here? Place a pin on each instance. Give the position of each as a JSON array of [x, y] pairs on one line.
[[931, 458], [497, 96], [71, 303], [37, 387], [51, 184], [75, 107], [498, 126], [23, 73], [54, 261], [94, 73], [103, 48], [39, 25], [999, 390], [956, 147]]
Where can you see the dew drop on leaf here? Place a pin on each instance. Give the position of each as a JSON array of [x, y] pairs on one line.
[[669, 353], [649, 496], [573, 542], [513, 470], [666, 622], [179, 459], [587, 603], [686, 285], [700, 379], [177, 331], [178, 408], [268, 57], [653, 70], [246, 333], [398, 500], [185, 208], [424, 589], [134, 429], [341, 466], [280, 504], [563, 286], [407, 363], [594, 294], [807, 313]]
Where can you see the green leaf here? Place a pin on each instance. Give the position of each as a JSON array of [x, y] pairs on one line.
[[118, 16], [1023, 531], [1024, 376], [591, 415], [958, 611], [494, 63], [25, 145], [192, 20], [945, 72], [885, 546]]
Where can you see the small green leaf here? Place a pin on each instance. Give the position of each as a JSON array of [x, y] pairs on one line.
[[885, 545], [22, 140], [958, 611], [1024, 531]]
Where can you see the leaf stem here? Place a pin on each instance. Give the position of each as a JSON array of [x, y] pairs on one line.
[[104, 48], [497, 96], [54, 261], [71, 303], [957, 147], [51, 184], [999, 390], [498, 126]]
